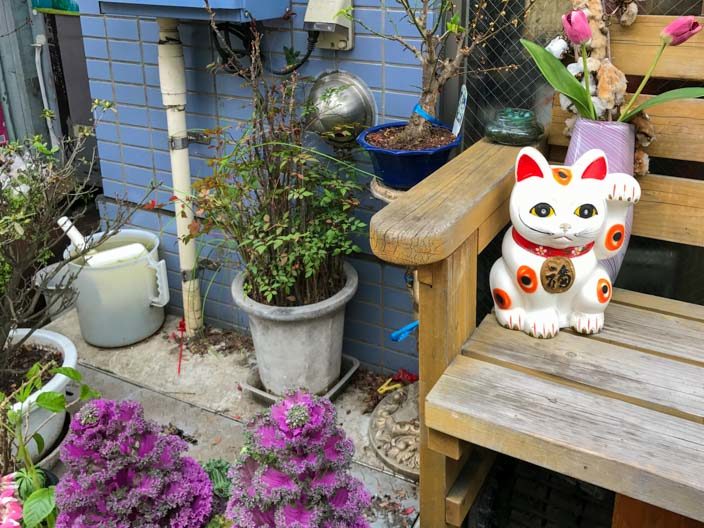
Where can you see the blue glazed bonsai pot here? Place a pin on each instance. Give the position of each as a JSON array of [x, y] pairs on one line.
[[402, 169]]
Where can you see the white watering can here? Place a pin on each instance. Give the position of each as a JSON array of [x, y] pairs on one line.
[[122, 286]]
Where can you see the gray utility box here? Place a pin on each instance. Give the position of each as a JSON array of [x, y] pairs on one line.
[[227, 10]]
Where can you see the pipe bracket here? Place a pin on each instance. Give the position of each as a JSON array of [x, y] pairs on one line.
[[190, 275]]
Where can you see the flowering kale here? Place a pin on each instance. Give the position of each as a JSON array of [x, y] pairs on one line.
[[123, 472], [294, 470]]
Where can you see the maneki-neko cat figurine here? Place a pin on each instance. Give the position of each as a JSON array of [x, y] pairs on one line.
[[565, 219]]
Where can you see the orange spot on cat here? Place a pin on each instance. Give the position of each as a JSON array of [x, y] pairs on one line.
[[501, 298], [527, 279], [562, 175], [615, 237], [603, 291]]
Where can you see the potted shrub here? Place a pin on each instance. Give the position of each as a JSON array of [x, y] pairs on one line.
[[26, 491], [404, 153], [286, 210], [294, 470], [123, 471], [605, 117], [38, 185]]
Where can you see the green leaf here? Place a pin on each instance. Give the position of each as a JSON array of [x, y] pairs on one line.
[[87, 393], [38, 506], [70, 373], [39, 439], [52, 401], [672, 95], [559, 78]]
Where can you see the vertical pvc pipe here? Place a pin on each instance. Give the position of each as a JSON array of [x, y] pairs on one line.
[[172, 74]]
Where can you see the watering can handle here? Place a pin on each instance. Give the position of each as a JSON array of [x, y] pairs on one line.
[[162, 297]]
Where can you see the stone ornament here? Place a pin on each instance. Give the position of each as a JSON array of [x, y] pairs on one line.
[[394, 431], [564, 220]]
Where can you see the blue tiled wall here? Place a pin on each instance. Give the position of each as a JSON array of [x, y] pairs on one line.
[[122, 66]]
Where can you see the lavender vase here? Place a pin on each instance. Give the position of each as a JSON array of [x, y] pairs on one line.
[[617, 140]]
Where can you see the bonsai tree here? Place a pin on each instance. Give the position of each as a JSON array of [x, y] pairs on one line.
[[285, 208], [445, 45], [38, 185]]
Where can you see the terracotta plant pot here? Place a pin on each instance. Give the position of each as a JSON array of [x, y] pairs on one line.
[[617, 140]]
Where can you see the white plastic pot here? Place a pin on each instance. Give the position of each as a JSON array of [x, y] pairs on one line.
[[51, 431], [298, 347]]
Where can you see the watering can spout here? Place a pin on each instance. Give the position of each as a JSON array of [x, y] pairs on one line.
[[72, 233]]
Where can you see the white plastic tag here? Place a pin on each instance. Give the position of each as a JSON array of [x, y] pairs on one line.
[[461, 108]]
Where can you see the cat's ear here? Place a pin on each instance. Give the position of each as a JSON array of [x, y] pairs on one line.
[[593, 165], [531, 163]]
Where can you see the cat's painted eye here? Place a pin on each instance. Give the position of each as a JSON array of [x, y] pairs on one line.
[[542, 210], [586, 211]]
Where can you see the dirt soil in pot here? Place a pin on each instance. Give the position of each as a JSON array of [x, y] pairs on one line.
[[394, 138], [12, 375]]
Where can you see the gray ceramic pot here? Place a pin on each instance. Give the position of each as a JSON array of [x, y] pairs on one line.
[[298, 347]]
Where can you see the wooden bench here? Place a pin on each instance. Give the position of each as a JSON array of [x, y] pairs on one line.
[[623, 409]]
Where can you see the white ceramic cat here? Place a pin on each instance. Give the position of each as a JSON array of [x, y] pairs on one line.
[[564, 220]]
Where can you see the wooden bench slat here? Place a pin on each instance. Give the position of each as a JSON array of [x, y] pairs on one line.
[[665, 335], [468, 485], [654, 457], [665, 202], [659, 304], [633, 49], [614, 371], [678, 128]]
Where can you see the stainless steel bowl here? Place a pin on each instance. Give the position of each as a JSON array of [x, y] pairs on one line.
[[343, 107]]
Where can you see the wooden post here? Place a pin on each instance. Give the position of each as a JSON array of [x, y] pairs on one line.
[[632, 513], [447, 318]]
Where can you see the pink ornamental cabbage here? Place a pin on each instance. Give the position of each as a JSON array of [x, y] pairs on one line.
[[123, 472], [10, 505], [294, 470], [680, 30], [576, 26]]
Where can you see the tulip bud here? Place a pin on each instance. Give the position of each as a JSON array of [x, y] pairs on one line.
[[576, 27], [680, 30]]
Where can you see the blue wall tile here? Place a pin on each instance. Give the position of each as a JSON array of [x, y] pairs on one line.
[[133, 145]]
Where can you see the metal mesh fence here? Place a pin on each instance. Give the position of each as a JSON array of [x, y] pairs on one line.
[[651, 266]]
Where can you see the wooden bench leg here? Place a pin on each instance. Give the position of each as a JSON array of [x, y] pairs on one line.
[[447, 318], [632, 513]]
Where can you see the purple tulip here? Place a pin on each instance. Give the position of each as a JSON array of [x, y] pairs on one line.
[[680, 30], [577, 27]]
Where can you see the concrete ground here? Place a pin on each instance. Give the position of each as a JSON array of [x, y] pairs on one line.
[[207, 402]]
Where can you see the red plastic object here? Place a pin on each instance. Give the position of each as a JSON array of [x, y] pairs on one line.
[[404, 376], [182, 330]]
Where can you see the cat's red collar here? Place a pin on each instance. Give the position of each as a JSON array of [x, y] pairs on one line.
[[546, 251]]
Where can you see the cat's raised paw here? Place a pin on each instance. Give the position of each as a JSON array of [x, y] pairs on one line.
[[623, 188], [587, 323]]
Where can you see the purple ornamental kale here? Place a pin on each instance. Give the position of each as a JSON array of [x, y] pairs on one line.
[[123, 472], [294, 470]]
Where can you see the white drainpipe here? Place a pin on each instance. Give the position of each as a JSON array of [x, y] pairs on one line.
[[38, 45], [172, 74]]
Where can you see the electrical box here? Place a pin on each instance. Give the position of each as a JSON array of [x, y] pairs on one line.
[[241, 11], [336, 29]]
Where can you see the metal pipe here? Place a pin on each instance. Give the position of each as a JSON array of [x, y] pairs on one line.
[[38, 45], [172, 75]]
